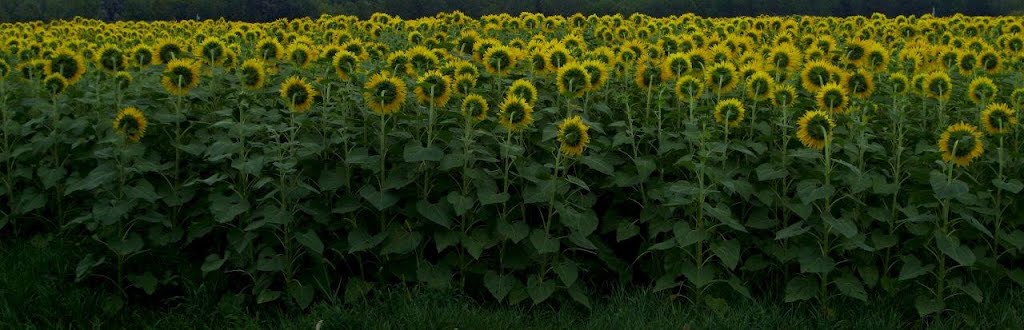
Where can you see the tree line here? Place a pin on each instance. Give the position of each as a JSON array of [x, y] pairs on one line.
[[266, 10]]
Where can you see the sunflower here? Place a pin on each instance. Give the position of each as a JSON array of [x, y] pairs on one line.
[[832, 97], [599, 74], [760, 86], [899, 82], [123, 79], [212, 50], [4, 69], [1016, 98], [860, 83], [300, 54], [688, 88], [814, 129], [967, 62], [557, 57], [168, 50], [69, 64], [297, 94], [464, 83], [34, 69], [783, 95], [344, 64], [269, 49], [960, 144], [573, 79], [499, 60], [474, 106], [180, 76], [817, 74], [784, 58], [573, 136], [647, 74], [433, 88], [384, 93], [516, 114], [982, 90], [674, 65], [524, 89], [937, 85], [131, 124], [422, 59], [998, 118], [142, 55], [55, 83], [990, 61], [111, 58], [699, 59], [730, 112], [722, 77], [253, 74]]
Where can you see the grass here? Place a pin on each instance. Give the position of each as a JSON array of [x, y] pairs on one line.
[[37, 291]]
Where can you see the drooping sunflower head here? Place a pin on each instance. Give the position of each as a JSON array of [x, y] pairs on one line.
[[1017, 98], [760, 86], [833, 98], [573, 79], [960, 144], [111, 58], [573, 136], [647, 74], [5, 69], [297, 94], [464, 83], [422, 59], [433, 88], [499, 60], [55, 83], [730, 112], [516, 113], [384, 93], [474, 106], [688, 88], [675, 65], [967, 62], [877, 58], [212, 50], [982, 90], [819, 73], [524, 89], [344, 63], [123, 79], [990, 61], [938, 85], [814, 129], [722, 77], [860, 83], [300, 54], [131, 124], [252, 74], [998, 118], [784, 58], [142, 55], [180, 76], [34, 69], [269, 49], [68, 64], [557, 57], [599, 74], [899, 82], [168, 50], [784, 95]]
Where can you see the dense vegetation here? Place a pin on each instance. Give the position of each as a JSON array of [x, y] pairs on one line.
[[526, 159], [265, 10]]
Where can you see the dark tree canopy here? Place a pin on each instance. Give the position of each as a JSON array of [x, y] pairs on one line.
[[264, 10]]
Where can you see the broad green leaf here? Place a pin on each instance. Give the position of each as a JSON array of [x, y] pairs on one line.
[[301, 294], [724, 214], [946, 189], [686, 236], [415, 153], [700, 277], [379, 200], [800, 289], [444, 239], [102, 174], [86, 265], [577, 294], [729, 252], [437, 213], [539, 289], [267, 295], [816, 264], [913, 268], [226, 208], [213, 262], [599, 164], [310, 240], [851, 287], [542, 242], [952, 248], [515, 231], [147, 282], [360, 240], [435, 277], [793, 230], [460, 203], [1013, 186], [567, 272], [843, 226], [402, 242], [927, 305], [770, 171], [497, 284], [356, 289]]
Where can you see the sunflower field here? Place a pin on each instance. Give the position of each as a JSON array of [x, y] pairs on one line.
[[523, 158]]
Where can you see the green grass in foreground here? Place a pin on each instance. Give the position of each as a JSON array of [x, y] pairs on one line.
[[37, 291]]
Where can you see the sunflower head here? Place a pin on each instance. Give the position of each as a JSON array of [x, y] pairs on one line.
[[474, 106], [573, 136], [433, 88], [960, 144], [212, 51], [34, 69], [967, 62], [998, 118], [422, 59], [344, 64], [524, 89], [516, 113], [1017, 98], [833, 98], [730, 112], [674, 65], [111, 58], [899, 82], [598, 74], [131, 124], [252, 74], [297, 94], [819, 73], [784, 95], [464, 83], [69, 64], [990, 61], [4, 69], [169, 50], [938, 85], [269, 49], [180, 76], [556, 58], [55, 83], [760, 86], [300, 54], [384, 93], [722, 77], [860, 83], [982, 90], [814, 129], [142, 55], [573, 79], [499, 60], [123, 79]]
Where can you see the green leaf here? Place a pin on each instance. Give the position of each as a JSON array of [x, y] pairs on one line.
[[728, 252], [770, 171], [542, 242], [972, 290], [793, 230], [576, 181], [584, 222], [1013, 186], [445, 239], [86, 265], [626, 230], [51, 176], [842, 225], [301, 294], [104, 173], [213, 262], [226, 208], [809, 191], [379, 200], [438, 213], [498, 284], [127, 246], [460, 203], [143, 190], [599, 164], [945, 189], [577, 294], [816, 264], [415, 153], [360, 240], [402, 242], [539, 289], [724, 214], [310, 240], [851, 287], [686, 236], [913, 268], [1016, 238], [952, 248], [516, 231], [435, 277], [927, 305], [267, 295], [356, 289], [700, 277], [270, 263], [800, 289], [567, 272], [332, 179]]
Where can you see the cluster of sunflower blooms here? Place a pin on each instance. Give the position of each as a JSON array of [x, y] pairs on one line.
[[593, 73]]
